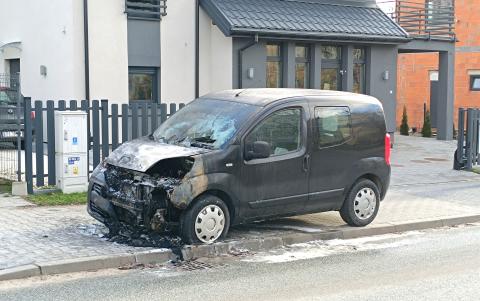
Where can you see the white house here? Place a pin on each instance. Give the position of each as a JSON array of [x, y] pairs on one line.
[[176, 50]]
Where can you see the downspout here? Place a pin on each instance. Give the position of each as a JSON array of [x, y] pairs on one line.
[[240, 60], [197, 49], [85, 46]]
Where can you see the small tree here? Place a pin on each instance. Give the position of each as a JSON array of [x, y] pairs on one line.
[[404, 128], [427, 126]]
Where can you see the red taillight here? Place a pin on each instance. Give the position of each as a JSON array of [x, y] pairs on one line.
[[32, 115], [387, 148]]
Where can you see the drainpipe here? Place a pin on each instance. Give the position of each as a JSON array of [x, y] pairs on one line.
[[197, 49], [240, 60], [85, 41]]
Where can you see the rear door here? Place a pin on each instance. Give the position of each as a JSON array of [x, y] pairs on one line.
[[331, 155], [279, 184]]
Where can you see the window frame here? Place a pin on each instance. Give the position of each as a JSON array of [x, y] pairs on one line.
[[290, 155], [152, 71], [474, 77], [362, 61], [306, 60], [316, 131], [275, 59]]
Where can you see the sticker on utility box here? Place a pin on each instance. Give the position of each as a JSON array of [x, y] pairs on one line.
[[72, 160]]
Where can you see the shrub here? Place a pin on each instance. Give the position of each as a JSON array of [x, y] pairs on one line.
[[427, 126], [404, 125]]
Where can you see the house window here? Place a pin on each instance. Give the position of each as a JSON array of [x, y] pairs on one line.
[[475, 82], [330, 73], [359, 70], [274, 66], [334, 126], [142, 84], [302, 66]]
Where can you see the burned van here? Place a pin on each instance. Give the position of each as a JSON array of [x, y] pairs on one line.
[[238, 156]]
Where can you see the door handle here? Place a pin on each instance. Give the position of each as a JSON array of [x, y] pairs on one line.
[[306, 162]]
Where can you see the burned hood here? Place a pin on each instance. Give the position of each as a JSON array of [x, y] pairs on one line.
[[141, 154]]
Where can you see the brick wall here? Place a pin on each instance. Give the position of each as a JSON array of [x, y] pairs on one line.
[[413, 69]]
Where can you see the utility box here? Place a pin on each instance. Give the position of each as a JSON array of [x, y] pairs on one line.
[[71, 151]]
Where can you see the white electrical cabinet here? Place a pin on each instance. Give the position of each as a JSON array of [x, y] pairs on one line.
[[71, 151]]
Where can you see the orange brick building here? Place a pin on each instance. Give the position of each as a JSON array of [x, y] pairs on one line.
[[416, 70]]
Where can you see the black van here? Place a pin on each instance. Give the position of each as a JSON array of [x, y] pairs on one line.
[[243, 155]]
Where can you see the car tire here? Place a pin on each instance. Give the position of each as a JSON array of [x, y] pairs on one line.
[[361, 204], [206, 221]]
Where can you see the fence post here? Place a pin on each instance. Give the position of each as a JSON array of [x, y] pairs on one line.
[[173, 109], [73, 105], [28, 144], [95, 133], [114, 126], [163, 112], [154, 116], [105, 140], [84, 105], [144, 119], [461, 134], [125, 122], [469, 144], [62, 105], [134, 120], [39, 143], [51, 142]]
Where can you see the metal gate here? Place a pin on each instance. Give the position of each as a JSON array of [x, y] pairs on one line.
[[11, 127], [467, 154]]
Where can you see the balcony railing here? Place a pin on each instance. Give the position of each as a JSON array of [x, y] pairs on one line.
[[146, 9], [434, 19]]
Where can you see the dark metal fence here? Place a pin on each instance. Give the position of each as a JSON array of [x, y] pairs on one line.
[[11, 126], [428, 19], [467, 154], [108, 126]]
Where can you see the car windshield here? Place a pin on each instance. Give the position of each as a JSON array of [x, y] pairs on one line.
[[206, 123]]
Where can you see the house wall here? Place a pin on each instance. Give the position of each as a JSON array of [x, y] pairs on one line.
[[58, 46], [380, 59], [414, 69], [108, 50]]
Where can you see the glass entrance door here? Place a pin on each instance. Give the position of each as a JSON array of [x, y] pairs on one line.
[[331, 63], [330, 79]]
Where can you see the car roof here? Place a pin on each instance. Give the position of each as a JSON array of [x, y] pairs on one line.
[[265, 96]]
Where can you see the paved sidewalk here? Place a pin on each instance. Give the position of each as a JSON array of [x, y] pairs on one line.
[[424, 187]]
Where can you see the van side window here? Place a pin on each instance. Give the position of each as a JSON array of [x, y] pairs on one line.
[[333, 124], [282, 130]]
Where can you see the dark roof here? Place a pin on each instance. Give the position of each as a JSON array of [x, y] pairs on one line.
[[265, 96], [305, 19]]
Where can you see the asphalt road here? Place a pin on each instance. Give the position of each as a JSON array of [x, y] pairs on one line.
[[442, 264]]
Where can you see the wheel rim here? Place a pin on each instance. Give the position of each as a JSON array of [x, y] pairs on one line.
[[209, 223], [365, 203]]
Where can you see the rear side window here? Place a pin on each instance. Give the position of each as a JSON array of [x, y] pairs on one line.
[[333, 124]]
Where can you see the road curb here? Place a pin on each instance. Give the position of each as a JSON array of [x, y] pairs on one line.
[[191, 252]]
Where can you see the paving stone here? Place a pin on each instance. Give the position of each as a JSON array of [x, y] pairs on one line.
[[32, 234]]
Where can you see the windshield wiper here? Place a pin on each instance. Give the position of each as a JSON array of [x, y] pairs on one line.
[[204, 139]]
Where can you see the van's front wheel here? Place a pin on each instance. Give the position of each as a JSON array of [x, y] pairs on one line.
[[206, 221], [361, 205]]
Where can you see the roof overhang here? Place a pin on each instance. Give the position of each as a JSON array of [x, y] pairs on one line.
[[297, 19]]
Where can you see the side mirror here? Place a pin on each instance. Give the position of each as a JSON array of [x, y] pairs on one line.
[[260, 150]]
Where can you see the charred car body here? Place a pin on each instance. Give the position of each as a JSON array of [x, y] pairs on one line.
[[244, 155]]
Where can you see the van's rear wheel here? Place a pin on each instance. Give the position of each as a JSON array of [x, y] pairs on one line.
[[361, 205], [206, 221]]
